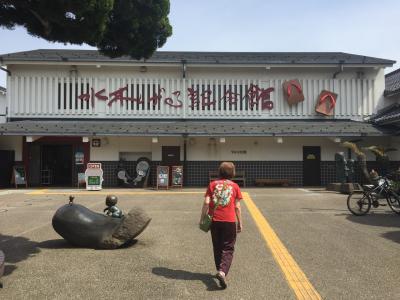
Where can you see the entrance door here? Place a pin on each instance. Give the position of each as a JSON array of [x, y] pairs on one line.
[[34, 165], [58, 159], [311, 166], [6, 164], [171, 156]]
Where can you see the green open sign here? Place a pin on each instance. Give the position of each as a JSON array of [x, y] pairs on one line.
[[94, 180]]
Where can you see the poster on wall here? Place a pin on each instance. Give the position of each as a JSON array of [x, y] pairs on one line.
[[19, 176], [162, 177], [79, 158], [94, 177], [177, 176]]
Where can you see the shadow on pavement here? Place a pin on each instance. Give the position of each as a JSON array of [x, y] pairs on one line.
[[55, 244], [383, 220], [16, 249], [207, 279], [63, 244], [309, 209], [377, 219]]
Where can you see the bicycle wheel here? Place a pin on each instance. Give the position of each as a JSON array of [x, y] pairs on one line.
[[359, 203], [394, 203]]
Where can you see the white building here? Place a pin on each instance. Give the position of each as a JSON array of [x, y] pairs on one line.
[[3, 104], [193, 109]]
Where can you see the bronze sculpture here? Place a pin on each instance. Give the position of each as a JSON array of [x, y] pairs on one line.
[[83, 227], [112, 208]]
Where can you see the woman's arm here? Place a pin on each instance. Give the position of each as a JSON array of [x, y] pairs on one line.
[[204, 210], [238, 212]]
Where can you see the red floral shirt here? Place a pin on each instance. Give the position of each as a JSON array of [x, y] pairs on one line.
[[225, 192]]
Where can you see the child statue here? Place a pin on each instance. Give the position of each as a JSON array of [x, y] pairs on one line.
[[112, 208]]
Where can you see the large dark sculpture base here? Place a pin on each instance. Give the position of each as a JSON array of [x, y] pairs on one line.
[[82, 227]]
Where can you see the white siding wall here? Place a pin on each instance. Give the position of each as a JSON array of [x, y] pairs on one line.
[[3, 105], [112, 146], [379, 90], [204, 149], [48, 92]]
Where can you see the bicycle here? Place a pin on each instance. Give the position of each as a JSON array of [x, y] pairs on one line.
[[359, 202]]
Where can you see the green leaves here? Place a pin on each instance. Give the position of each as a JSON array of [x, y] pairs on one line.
[[117, 27], [136, 28]]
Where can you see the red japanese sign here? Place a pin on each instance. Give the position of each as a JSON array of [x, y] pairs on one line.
[[206, 98]]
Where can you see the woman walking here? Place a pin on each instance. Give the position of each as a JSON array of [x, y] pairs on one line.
[[222, 202]]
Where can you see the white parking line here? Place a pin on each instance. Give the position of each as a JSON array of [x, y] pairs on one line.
[[309, 193]]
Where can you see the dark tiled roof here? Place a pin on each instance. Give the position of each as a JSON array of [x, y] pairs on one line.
[[191, 128], [53, 55], [387, 115], [392, 83]]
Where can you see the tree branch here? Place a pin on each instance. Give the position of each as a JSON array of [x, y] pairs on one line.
[[46, 24]]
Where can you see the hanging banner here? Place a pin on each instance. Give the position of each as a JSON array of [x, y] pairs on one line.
[[79, 158]]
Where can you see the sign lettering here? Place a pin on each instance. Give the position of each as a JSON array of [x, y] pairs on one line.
[[207, 98]]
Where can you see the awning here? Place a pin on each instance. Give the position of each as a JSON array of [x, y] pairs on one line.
[[192, 128]]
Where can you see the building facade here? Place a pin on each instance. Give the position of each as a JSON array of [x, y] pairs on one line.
[[3, 104], [276, 115]]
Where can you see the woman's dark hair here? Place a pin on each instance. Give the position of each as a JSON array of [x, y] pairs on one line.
[[226, 170]]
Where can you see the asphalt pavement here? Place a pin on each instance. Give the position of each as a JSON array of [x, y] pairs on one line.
[[341, 256]]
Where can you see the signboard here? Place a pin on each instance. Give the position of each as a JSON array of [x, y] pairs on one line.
[[326, 103], [162, 177], [293, 91], [19, 176], [96, 142], [177, 176], [94, 177]]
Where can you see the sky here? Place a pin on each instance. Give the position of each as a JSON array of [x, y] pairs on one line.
[[365, 27]]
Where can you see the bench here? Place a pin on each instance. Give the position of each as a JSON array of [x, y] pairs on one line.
[[264, 182], [239, 177]]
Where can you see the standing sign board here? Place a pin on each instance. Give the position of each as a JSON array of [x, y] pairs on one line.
[[177, 176], [162, 177], [19, 176], [94, 177]]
